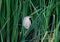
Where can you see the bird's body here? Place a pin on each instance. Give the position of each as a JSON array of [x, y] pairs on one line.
[[26, 22]]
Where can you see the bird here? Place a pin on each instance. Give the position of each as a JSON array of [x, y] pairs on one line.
[[27, 22]]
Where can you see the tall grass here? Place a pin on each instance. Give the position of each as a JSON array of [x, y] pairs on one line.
[[45, 25]]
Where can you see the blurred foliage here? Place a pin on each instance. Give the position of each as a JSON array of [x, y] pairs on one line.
[[45, 25]]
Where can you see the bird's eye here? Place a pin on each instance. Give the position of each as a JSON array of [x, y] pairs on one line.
[[30, 20]]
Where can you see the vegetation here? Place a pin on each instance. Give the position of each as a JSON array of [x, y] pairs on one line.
[[45, 25]]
